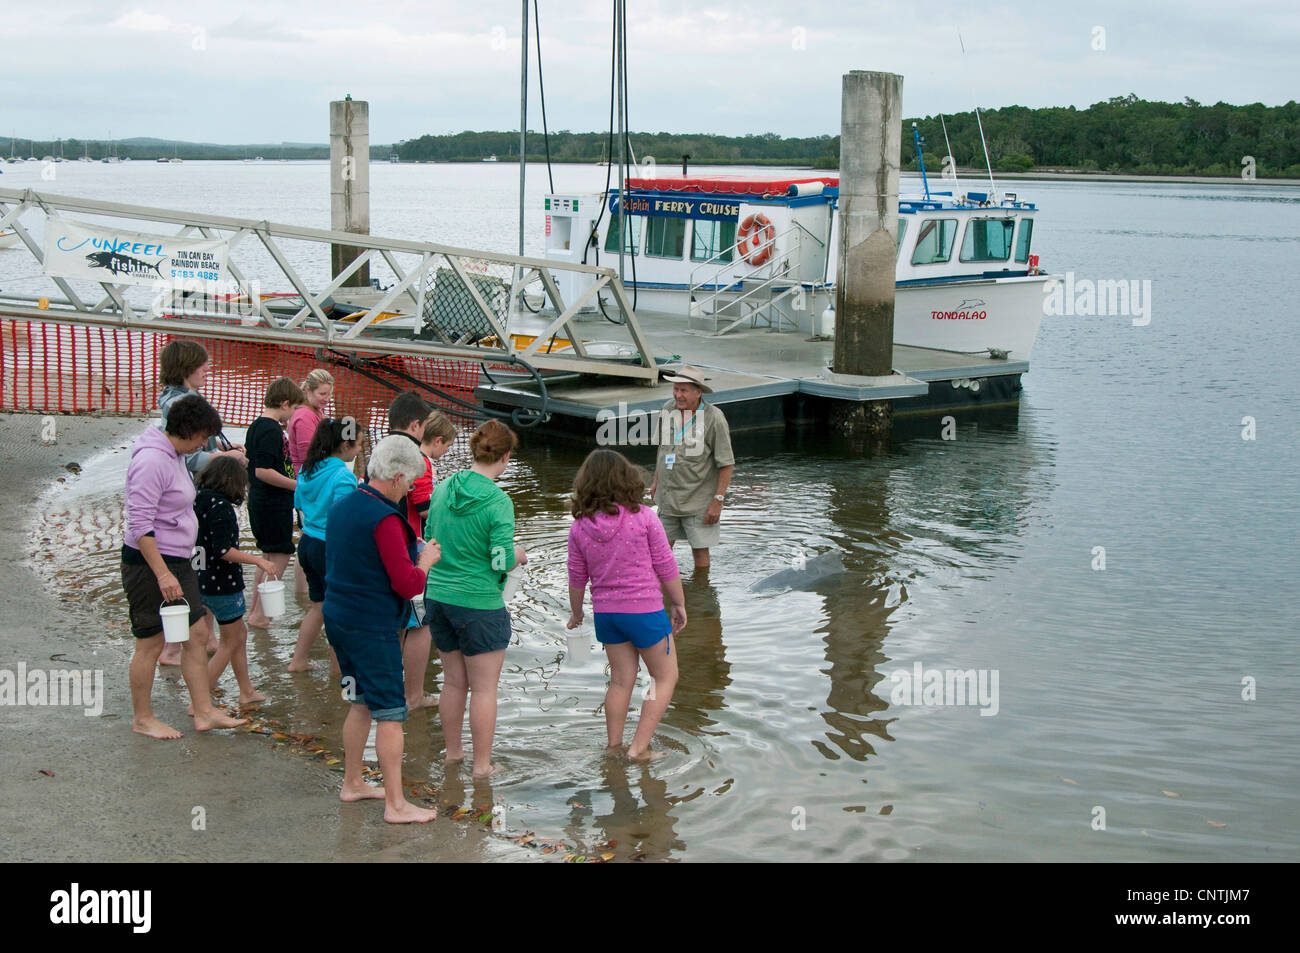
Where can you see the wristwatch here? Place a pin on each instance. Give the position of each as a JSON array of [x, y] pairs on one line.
[[720, 497]]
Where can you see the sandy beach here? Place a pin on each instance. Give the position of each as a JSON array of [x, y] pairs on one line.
[[85, 788]]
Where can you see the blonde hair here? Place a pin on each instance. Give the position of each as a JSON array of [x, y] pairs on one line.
[[438, 425], [316, 379]]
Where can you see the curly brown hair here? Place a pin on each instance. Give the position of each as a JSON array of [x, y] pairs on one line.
[[605, 480]]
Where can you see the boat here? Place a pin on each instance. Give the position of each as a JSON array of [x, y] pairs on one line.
[[732, 250], [491, 158], [8, 237]]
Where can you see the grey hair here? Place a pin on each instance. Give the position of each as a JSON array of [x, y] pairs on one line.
[[393, 455]]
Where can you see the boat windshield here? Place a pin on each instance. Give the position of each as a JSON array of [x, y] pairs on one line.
[[934, 242], [1023, 241], [988, 239]]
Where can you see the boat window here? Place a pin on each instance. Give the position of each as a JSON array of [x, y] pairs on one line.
[[934, 241], [712, 238], [666, 238], [1026, 236], [902, 230], [633, 243], [988, 239]]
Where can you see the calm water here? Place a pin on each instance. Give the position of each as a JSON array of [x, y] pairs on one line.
[[1115, 686]]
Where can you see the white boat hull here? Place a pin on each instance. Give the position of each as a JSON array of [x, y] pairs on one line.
[[967, 316]]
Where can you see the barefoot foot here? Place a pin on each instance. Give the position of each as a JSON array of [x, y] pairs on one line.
[[217, 719], [408, 813], [251, 698], [257, 622], [170, 655], [425, 701], [361, 792], [485, 773], [154, 729], [644, 756], [456, 758], [297, 666]]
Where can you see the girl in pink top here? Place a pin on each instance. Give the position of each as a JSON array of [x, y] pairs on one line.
[[319, 388], [620, 546]]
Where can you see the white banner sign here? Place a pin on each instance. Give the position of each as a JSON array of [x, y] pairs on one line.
[[104, 253]]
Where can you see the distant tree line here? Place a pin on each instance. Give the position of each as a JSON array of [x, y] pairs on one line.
[[666, 148], [1123, 134]]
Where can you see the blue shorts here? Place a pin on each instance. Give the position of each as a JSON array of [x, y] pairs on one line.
[[642, 629], [311, 560], [227, 608], [469, 631], [370, 665]]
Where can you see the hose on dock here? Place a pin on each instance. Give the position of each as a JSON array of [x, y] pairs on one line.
[[521, 417]]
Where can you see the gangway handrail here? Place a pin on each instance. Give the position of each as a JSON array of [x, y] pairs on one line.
[[690, 278], [311, 326]]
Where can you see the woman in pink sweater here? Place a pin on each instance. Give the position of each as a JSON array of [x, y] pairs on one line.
[[620, 546]]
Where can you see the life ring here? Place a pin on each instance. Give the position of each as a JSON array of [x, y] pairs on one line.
[[755, 239]]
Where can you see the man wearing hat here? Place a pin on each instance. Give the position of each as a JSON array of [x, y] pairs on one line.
[[694, 466]]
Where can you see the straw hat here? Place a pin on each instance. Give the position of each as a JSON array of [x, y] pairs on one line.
[[686, 374]]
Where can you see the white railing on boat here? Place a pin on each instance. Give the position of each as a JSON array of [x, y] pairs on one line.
[[747, 287]]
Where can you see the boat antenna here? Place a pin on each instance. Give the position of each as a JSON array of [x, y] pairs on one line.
[[983, 142], [993, 189], [523, 118], [952, 163], [920, 160]]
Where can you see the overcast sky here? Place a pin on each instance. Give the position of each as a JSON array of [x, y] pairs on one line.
[[239, 71]]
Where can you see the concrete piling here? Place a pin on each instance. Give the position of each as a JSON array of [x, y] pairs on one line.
[[349, 182], [870, 144]]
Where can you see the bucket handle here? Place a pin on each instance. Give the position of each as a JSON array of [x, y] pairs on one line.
[[181, 601]]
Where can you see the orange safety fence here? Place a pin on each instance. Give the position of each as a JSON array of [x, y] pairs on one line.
[[58, 368]]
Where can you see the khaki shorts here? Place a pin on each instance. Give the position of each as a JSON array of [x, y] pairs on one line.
[[692, 529]]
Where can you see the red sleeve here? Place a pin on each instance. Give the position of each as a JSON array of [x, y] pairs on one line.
[[403, 575], [417, 501]]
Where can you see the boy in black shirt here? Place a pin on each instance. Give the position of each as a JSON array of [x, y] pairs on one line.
[[271, 484]]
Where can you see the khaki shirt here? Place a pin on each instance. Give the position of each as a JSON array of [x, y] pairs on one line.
[[700, 445]]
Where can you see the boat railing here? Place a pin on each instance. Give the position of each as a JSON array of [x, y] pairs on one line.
[[736, 285], [435, 300], [726, 260]]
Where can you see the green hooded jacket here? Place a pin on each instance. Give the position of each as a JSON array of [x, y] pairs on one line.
[[473, 521]]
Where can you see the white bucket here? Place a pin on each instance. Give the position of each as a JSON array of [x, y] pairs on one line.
[[272, 596], [514, 579], [176, 622], [579, 646]]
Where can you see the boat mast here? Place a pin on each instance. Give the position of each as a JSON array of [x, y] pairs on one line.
[[619, 26], [920, 160], [523, 117]]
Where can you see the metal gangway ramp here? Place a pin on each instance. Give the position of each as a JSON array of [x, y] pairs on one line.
[[443, 301]]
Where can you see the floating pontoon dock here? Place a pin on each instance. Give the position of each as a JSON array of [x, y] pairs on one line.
[[761, 377]]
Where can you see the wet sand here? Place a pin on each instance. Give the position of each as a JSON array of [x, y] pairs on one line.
[[113, 795]]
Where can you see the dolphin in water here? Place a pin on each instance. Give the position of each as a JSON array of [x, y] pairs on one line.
[[802, 577]]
